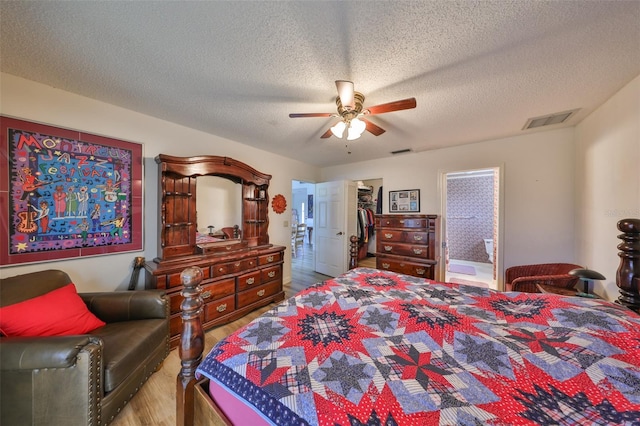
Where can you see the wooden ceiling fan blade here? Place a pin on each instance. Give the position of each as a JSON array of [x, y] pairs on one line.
[[373, 128], [312, 114], [326, 134], [345, 93], [392, 106]]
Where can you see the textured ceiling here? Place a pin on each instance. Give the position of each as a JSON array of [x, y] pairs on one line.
[[236, 69]]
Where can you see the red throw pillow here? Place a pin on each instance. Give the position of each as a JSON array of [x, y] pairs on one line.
[[60, 312]]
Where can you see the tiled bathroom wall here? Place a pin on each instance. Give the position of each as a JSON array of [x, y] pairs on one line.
[[469, 216]]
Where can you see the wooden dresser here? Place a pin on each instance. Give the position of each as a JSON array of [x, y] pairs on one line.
[[240, 273], [233, 284], [408, 244]]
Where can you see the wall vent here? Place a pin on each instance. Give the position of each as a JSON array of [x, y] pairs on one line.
[[548, 120], [401, 151]]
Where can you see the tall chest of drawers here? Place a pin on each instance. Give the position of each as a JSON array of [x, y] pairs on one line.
[[408, 244]]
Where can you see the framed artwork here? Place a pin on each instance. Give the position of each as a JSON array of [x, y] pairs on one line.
[[67, 194], [406, 201], [310, 206]]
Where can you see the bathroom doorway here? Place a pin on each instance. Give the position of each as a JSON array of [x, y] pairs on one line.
[[470, 227]]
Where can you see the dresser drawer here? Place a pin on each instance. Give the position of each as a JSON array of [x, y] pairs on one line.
[[390, 235], [173, 279], [218, 308], [271, 273], [175, 324], [209, 292], [401, 249], [233, 267], [402, 222], [248, 297], [269, 258], [423, 270], [249, 280]]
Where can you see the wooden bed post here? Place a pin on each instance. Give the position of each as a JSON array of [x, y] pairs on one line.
[[628, 274], [191, 345], [353, 252]]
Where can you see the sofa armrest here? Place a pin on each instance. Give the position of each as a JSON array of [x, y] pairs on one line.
[[30, 353], [528, 284], [51, 380], [127, 305]]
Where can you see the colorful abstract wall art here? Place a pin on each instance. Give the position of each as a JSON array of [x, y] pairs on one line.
[[67, 194]]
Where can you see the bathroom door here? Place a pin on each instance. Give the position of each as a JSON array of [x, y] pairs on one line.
[[470, 226]]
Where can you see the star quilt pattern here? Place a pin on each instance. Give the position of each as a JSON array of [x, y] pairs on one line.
[[379, 348]]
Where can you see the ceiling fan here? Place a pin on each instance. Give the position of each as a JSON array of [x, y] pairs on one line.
[[351, 112]]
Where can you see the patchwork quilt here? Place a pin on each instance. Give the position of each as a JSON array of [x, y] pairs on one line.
[[379, 348]]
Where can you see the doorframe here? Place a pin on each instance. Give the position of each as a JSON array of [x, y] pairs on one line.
[[498, 227]]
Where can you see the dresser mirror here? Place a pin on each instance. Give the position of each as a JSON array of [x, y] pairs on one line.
[[218, 205], [207, 194]]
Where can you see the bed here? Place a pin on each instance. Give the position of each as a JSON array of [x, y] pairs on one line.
[[374, 347]]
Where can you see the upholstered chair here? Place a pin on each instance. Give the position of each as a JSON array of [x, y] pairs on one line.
[[75, 378], [527, 277]]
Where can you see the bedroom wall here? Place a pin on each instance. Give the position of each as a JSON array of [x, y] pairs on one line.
[[28, 100], [538, 188], [607, 181]]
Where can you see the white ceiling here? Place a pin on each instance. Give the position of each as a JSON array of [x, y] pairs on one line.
[[478, 69]]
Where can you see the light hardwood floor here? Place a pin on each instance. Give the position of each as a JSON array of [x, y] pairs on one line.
[[155, 403]]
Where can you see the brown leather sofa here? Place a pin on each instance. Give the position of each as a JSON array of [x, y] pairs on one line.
[[82, 379]]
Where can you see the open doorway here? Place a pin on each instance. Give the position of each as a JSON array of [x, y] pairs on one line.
[[471, 205], [302, 203], [363, 204]]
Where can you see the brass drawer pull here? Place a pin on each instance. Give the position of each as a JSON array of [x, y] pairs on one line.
[[237, 265], [388, 235], [272, 274], [270, 259], [251, 281], [417, 237], [401, 220], [206, 295], [417, 251], [420, 271], [386, 265], [388, 248], [221, 269], [251, 263], [222, 308], [261, 293]]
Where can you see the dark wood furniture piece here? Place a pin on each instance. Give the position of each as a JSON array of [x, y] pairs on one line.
[[239, 275], [408, 244], [628, 273]]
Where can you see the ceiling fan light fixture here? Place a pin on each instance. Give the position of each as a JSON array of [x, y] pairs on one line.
[[338, 129], [356, 128]]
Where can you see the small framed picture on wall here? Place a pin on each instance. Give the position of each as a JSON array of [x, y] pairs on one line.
[[405, 201]]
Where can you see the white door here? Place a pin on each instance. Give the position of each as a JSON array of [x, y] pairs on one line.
[[334, 222]]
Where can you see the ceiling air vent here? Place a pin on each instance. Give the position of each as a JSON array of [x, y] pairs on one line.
[[401, 151], [547, 120]]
